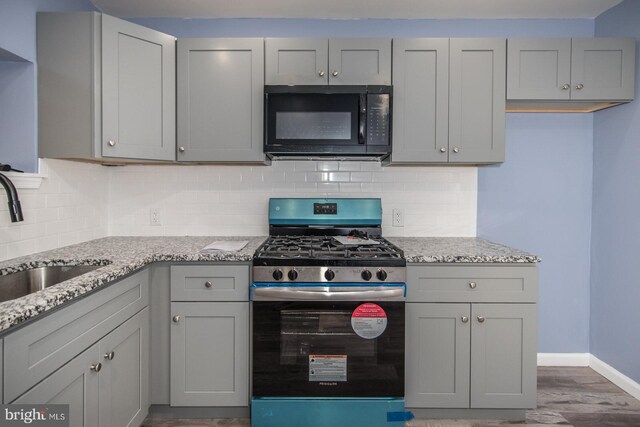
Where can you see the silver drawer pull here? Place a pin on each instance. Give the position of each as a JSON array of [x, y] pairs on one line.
[[110, 355], [96, 367], [472, 285], [464, 319], [208, 284], [481, 319], [176, 318]]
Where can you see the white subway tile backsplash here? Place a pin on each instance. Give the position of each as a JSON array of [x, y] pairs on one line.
[[79, 201]]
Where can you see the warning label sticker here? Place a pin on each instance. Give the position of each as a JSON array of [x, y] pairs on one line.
[[328, 367], [369, 320]]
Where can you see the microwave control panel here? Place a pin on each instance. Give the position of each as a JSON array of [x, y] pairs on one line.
[[378, 119]]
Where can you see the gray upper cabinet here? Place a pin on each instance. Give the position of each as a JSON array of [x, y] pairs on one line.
[[477, 100], [220, 91], [106, 88], [579, 69], [539, 69], [449, 100], [350, 61], [296, 61], [421, 100], [138, 91]]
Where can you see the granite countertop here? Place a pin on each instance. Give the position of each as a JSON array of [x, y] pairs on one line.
[[120, 256], [459, 250]]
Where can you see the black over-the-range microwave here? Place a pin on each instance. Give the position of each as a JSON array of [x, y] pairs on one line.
[[327, 121]]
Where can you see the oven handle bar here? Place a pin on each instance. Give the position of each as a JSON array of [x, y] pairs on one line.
[[328, 293]]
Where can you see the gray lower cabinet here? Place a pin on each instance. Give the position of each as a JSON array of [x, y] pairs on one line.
[[210, 354], [106, 88], [463, 350], [220, 100], [579, 69], [449, 100], [107, 384], [349, 61]]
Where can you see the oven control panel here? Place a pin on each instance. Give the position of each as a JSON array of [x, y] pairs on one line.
[[325, 208], [329, 274]]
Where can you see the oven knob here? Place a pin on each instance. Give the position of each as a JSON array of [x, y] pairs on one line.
[[293, 275], [277, 274], [366, 275], [329, 275], [381, 275]]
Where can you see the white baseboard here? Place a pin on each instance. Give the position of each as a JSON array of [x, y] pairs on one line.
[[563, 359], [588, 359], [615, 376]]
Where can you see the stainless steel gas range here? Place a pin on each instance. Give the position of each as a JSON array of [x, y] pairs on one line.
[[328, 317]]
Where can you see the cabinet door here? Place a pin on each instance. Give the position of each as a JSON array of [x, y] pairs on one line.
[[360, 61], [503, 362], [420, 100], [539, 69], [220, 92], [124, 379], [76, 385], [296, 61], [477, 100], [138, 91], [438, 338], [603, 68], [210, 354]]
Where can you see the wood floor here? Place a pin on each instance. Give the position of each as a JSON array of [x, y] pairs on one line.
[[577, 397]]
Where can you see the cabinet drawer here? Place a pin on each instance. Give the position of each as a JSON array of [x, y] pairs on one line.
[[472, 284], [210, 283], [35, 351]]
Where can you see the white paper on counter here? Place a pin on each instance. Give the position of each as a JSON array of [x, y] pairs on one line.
[[225, 245], [350, 240]]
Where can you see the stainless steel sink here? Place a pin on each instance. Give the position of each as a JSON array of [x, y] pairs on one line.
[[16, 285]]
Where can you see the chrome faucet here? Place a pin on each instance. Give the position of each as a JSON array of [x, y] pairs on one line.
[[15, 210]]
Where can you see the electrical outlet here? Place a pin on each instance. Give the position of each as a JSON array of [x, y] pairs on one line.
[[398, 217], [155, 216]]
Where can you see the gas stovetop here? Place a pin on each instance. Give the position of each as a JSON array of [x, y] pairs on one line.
[[327, 240], [303, 249]]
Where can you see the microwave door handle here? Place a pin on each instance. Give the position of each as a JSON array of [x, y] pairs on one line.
[[362, 118]]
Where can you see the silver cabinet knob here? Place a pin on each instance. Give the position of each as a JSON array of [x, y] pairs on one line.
[[111, 143], [181, 149], [96, 367], [443, 150], [565, 87], [176, 318], [456, 150], [481, 319], [464, 319], [472, 285], [110, 355], [334, 73], [208, 284], [321, 73], [579, 86]]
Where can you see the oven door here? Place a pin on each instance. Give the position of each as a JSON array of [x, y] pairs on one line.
[[315, 123], [328, 348]]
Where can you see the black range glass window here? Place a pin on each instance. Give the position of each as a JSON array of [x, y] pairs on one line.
[[313, 125]]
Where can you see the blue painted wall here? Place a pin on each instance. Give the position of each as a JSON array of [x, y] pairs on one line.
[[538, 200], [615, 287], [18, 119]]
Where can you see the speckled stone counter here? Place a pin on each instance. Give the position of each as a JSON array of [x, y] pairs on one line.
[[459, 250], [119, 256]]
